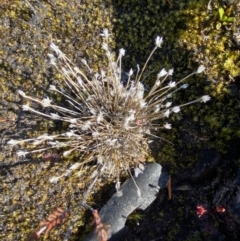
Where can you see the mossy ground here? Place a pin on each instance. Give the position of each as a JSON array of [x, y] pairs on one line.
[[192, 36]]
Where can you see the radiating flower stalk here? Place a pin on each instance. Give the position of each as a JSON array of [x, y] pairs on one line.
[[110, 119]]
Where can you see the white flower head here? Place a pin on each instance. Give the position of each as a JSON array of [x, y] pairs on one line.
[[184, 86], [105, 33], [84, 61], [68, 173], [45, 137], [69, 133], [37, 142], [176, 109], [131, 116], [105, 46], [46, 102], [26, 107], [75, 166], [100, 117], [157, 83], [52, 87], [117, 185], [171, 84], [156, 108], [56, 49], [205, 98], [50, 56], [168, 126], [22, 153], [126, 123], [137, 171], [103, 73], [142, 104], [130, 72], [141, 166], [166, 113], [100, 159], [92, 111], [168, 104], [20, 92], [55, 116], [66, 153], [111, 142], [158, 41], [162, 73], [86, 126], [94, 174], [79, 80], [200, 69], [54, 180], [52, 143], [52, 59], [170, 72], [121, 52], [13, 142], [73, 120], [95, 134], [119, 193]]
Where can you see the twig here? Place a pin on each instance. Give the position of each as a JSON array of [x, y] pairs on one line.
[[195, 136], [56, 218], [169, 187], [101, 229]]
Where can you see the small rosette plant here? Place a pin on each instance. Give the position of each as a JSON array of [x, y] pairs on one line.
[[110, 119]]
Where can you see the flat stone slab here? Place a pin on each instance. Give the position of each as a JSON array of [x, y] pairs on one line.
[[117, 209]]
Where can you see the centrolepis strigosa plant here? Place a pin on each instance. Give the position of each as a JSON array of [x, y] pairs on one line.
[[110, 119]]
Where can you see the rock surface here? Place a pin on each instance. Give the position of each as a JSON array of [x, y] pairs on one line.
[[117, 209]]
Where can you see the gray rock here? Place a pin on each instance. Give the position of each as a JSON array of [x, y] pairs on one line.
[[234, 209], [117, 209]]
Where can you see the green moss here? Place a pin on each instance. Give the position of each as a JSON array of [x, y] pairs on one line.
[[135, 217], [191, 37]]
